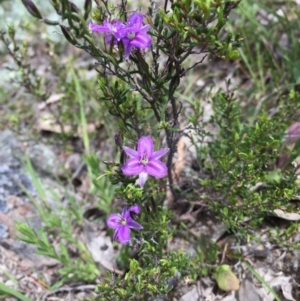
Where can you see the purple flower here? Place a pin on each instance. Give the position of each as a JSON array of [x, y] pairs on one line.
[[122, 224], [134, 34], [111, 29], [144, 161]]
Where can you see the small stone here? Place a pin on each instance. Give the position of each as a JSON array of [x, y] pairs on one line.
[[3, 231], [10, 283], [43, 159], [19, 276], [73, 162], [226, 279]]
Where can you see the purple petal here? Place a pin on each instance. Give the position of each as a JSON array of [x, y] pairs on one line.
[[135, 20], [131, 152], [145, 146], [116, 234], [98, 28], [107, 27], [134, 225], [120, 34], [118, 25], [133, 29], [109, 38], [128, 48], [113, 26], [141, 41], [145, 28], [125, 30], [125, 212], [124, 235], [135, 208], [125, 41], [112, 221], [132, 167], [159, 154], [156, 168], [143, 176]]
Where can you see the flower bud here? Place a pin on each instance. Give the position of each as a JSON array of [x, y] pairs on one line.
[[119, 139], [32, 9], [87, 8], [67, 35]]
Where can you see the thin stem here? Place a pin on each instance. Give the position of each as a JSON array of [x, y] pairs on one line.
[[165, 5]]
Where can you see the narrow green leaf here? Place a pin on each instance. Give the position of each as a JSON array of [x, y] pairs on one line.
[[10, 291], [251, 269]]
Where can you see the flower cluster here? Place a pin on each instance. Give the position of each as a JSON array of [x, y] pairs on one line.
[[142, 162], [132, 34]]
